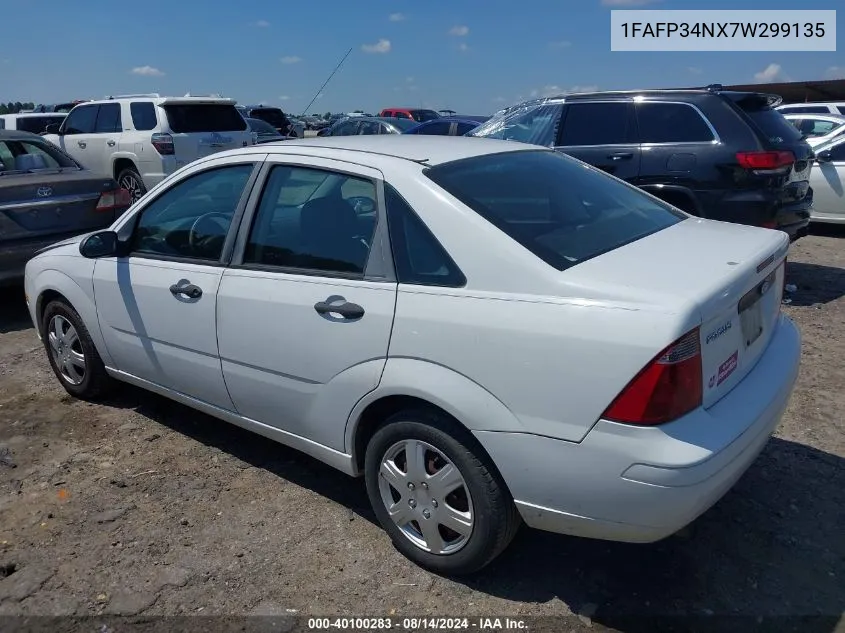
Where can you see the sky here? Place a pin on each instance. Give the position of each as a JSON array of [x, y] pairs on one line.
[[462, 55]]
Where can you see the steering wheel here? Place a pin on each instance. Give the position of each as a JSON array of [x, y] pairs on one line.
[[195, 238]]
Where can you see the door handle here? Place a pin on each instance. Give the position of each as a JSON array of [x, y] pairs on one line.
[[339, 305], [189, 290], [82, 144], [110, 143], [621, 155]]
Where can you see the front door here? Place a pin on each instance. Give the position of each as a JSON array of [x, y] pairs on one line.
[[77, 132], [157, 307], [305, 311], [828, 182], [602, 134]]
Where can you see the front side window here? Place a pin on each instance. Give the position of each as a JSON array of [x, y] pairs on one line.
[[313, 220], [561, 210], [671, 123], [369, 127], [587, 124], [143, 115], [837, 152], [532, 123], [191, 219], [108, 119], [347, 128], [81, 120]]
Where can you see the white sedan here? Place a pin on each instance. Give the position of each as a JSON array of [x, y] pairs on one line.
[[827, 178], [488, 332]]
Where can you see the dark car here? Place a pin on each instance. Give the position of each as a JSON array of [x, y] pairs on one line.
[[713, 153], [45, 197], [355, 125], [264, 132], [274, 116], [419, 115], [444, 126]]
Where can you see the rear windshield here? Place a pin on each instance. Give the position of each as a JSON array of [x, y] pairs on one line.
[[205, 117], [424, 115], [273, 116], [773, 125], [262, 127], [563, 211]]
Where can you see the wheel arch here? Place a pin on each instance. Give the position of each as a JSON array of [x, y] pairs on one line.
[[123, 161], [412, 383]]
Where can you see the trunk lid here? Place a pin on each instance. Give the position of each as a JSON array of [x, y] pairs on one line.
[[732, 274], [35, 205]]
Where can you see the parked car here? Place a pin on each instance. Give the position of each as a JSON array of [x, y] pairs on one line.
[[818, 128], [313, 122], [59, 107], [263, 132], [635, 365], [366, 125], [141, 139], [828, 182], [713, 153], [33, 122], [275, 117], [836, 107], [45, 196], [419, 115], [444, 126]]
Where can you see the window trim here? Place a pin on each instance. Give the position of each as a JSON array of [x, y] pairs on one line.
[[565, 112], [379, 266], [127, 230]]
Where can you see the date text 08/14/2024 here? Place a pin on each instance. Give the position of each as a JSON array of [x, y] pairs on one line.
[[415, 624]]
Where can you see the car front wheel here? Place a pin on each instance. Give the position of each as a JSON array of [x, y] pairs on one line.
[[72, 353], [436, 493]]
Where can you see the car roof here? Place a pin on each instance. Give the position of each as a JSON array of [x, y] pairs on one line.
[[830, 116], [19, 135], [430, 150], [410, 109]]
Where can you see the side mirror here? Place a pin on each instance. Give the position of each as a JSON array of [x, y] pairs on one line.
[[52, 128], [824, 157], [100, 244]]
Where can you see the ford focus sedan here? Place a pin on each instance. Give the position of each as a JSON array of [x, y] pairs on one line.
[[490, 333]]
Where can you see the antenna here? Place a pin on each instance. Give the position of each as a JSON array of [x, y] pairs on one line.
[[310, 103]]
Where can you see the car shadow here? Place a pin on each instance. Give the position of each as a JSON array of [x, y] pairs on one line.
[[772, 548], [815, 284], [824, 229], [14, 316]]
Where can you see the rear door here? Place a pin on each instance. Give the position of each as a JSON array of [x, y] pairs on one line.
[[201, 128], [44, 201], [602, 134]]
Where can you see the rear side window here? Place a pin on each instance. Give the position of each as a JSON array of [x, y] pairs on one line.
[[597, 124], [671, 123], [418, 256], [187, 118], [559, 209], [37, 124], [143, 115], [771, 123], [108, 119], [841, 109]]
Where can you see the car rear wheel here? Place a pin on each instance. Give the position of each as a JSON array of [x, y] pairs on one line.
[[130, 180], [72, 353], [436, 493]]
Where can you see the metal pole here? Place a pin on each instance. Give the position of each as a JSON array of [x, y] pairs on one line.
[[308, 107]]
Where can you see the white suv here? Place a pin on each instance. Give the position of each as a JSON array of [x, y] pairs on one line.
[[830, 107], [141, 139]]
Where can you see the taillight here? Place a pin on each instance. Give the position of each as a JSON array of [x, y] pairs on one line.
[[667, 388], [765, 161], [111, 200], [163, 144]]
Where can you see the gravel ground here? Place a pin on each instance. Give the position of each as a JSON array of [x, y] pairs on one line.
[[142, 506]]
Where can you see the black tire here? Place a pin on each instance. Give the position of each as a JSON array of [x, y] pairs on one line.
[[130, 179], [495, 517], [95, 382]]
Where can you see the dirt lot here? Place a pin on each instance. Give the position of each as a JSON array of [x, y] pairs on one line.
[[142, 506]]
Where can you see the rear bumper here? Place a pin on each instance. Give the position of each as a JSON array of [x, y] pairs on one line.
[[640, 484], [757, 208], [14, 256]]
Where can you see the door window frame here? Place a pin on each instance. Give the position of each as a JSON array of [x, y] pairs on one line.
[[379, 267], [126, 225]]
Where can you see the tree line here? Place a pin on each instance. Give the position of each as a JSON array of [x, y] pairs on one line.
[[15, 107]]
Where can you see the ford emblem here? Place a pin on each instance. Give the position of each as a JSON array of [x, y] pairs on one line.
[[44, 192]]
